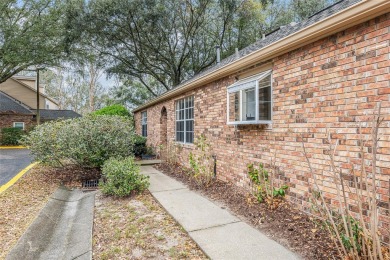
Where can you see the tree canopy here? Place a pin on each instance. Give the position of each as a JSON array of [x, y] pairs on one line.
[[147, 46], [35, 33]]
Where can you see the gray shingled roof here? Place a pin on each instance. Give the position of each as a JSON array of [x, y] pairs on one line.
[[47, 114], [10, 105], [277, 35]]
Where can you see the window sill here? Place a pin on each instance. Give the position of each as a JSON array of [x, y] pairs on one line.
[[260, 122], [185, 145]]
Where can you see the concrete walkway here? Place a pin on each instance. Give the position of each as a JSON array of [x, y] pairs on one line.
[[217, 232], [62, 230]]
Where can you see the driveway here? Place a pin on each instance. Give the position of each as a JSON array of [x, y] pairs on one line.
[[12, 161]]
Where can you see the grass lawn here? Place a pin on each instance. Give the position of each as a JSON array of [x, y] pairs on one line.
[[20, 204], [138, 228]]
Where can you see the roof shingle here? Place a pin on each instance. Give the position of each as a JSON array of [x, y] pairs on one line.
[[47, 114], [10, 105]]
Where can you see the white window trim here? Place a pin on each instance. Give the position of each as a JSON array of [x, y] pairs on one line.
[[19, 123], [193, 108], [242, 85], [144, 122]]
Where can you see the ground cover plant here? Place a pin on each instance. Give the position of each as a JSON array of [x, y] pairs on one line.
[[86, 141]]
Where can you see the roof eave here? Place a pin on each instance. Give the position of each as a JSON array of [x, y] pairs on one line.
[[355, 14], [33, 89]]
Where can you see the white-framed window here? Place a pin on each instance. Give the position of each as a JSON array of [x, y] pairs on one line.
[[185, 120], [249, 100], [19, 125], [144, 123]]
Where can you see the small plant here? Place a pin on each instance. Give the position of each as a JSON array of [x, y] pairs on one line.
[[139, 145], [202, 164], [281, 192], [170, 152], [122, 178], [11, 136], [262, 185], [356, 237], [149, 153]]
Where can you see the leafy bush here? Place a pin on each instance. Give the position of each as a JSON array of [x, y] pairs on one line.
[[11, 136], [263, 185], [202, 164], [87, 141], [113, 110], [139, 145], [122, 177]]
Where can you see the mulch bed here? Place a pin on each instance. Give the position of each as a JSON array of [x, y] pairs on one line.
[[71, 176], [294, 229]]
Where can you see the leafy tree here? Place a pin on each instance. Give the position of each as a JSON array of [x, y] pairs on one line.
[[131, 93], [72, 88], [113, 110], [167, 40], [305, 8], [36, 32]]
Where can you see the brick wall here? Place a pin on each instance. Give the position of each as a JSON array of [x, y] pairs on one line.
[[7, 120], [327, 86]]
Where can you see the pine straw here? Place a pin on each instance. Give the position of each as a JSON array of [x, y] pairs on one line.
[[20, 204], [138, 228]]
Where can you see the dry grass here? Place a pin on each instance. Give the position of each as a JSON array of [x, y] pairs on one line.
[[20, 204], [138, 228]]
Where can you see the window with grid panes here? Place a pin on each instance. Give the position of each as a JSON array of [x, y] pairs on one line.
[[185, 120], [144, 123]]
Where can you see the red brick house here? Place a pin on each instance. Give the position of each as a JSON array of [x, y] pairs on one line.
[[14, 113], [323, 74]]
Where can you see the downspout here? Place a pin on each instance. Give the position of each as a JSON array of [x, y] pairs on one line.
[[215, 166]]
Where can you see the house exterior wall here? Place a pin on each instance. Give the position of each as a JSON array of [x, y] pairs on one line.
[[7, 120], [328, 86], [50, 104], [22, 93]]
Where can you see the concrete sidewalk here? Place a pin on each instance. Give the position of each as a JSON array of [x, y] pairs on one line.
[[217, 232], [62, 230]]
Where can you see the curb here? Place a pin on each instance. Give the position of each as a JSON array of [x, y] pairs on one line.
[[61, 230], [13, 147], [16, 177]]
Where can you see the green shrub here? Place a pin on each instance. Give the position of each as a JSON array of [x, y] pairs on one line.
[[122, 177], [87, 141], [11, 136], [113, 110], [139, 145]]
